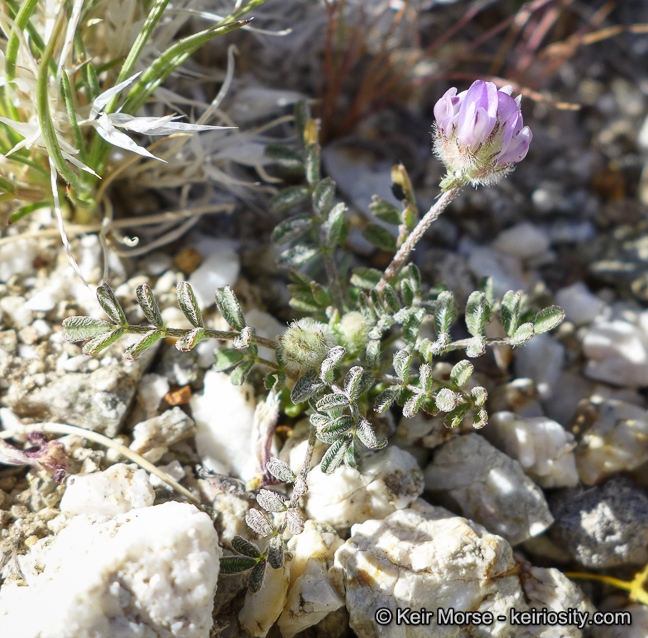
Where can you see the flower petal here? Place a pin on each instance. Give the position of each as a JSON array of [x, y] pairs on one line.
[[517, 149]]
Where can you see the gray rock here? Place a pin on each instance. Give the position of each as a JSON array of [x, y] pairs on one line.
[[602, 526], [488, 487], [152, 438], [180, 368], [97, 401], [542, 359]]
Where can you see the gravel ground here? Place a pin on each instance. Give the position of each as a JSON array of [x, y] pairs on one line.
[[483, 521]]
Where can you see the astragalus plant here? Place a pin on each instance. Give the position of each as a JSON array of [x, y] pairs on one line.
[[368, 340], [74, 78]]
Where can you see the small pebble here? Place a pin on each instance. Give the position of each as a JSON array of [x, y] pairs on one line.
[[220, 267], [580, 305], [524, 241]]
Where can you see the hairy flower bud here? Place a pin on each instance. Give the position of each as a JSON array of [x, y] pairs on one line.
[[305, 345], [479, 134], [353, 331]]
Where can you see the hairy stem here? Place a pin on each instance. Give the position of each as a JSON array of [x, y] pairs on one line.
[[224, 335], [334, 281], [404, 251]]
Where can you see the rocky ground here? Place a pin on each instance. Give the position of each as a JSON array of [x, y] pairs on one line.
[[483, 521]]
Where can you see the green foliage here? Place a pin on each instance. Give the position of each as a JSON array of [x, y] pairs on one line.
[[360, 350], [76, 139]]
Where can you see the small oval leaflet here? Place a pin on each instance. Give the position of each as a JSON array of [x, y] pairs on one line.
[[271, 501], [245, 547], [259, 522], [280, 470], [294, 522]]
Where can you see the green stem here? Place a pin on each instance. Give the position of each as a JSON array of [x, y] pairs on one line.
[[44, 116], [13, 44], [66, 91]]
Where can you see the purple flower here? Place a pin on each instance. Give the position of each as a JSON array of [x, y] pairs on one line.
[[479, 133]]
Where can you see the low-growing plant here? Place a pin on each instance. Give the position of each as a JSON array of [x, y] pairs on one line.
[[360, 348]]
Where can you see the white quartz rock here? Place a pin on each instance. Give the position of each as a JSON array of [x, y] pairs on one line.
[[542, 359], [174, 470], [265, 325], [224, 416], [149, 573], [384, 482], [524, 241], [261, 609], [617, 353], [152, 438], [489, 487], [544, 449], [220, 267], [18, 257], [580, 305], [312, 594], [506, 270], [152, 389], [551, 589], [116, 490], [616, 442], [424, 559]]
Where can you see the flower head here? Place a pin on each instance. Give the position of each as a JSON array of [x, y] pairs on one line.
[[479, 133], [304, 345]]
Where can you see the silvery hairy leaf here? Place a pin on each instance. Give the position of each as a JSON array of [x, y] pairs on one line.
[[110, 305], [276, 555], [235, 564], [461, 372], [149, 306], [307, 386], [83, 328], [259, 522], [271, 501], [294, 522], [188, 304], [132, 352], [101, 342], [229, 306], [257, 576], [280, 470]]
